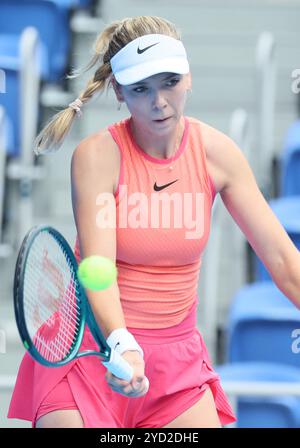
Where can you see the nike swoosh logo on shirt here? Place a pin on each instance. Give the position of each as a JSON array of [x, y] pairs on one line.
[[140, 51], [161, 187]]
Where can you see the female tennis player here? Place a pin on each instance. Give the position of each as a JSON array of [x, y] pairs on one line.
[[142, 193]]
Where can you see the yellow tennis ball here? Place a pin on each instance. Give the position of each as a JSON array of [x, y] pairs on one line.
[[97, 272]]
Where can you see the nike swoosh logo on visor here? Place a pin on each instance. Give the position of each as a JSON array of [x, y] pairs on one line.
[[140, 51], [159, 188]]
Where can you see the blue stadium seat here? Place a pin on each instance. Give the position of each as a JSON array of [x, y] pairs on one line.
[[85, 3], [290, 162], [261, 326], [52, 23], [287, 210], [9, 62], [264, 412], [72, 4], [20, 61]]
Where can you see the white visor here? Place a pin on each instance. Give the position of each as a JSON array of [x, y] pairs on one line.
[[148, 55]]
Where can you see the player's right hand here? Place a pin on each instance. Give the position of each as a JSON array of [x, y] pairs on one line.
[[138, 386]]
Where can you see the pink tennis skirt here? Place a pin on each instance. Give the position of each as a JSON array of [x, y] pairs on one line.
[[177, 365]]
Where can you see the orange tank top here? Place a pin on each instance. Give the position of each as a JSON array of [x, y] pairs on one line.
[[160, 234]]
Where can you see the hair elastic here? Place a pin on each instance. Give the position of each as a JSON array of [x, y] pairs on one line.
[[76, 105]]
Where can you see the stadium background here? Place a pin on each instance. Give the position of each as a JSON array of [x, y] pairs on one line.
[[244, 57]]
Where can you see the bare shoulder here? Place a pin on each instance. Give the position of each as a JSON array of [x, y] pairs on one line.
[[97, 153], [222, 153]]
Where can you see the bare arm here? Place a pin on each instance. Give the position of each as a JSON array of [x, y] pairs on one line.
[[266, 235], [92, 174]]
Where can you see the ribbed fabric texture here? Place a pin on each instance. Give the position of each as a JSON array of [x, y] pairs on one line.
[[161, 235]]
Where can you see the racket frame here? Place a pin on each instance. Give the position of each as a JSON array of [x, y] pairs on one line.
[[87, 316]]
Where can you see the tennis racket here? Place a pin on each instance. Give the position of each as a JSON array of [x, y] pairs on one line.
[[51, 307]]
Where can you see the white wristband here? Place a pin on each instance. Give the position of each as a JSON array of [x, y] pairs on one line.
[[122, 340]]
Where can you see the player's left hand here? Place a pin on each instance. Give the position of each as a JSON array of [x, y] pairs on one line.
[[138, 386]]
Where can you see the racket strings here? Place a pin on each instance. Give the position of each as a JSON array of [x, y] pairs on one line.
[[62, 338], [50, 299], [59, 342], [45, 309]]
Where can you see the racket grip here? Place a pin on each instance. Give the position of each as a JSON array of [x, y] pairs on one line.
[[119, 366]]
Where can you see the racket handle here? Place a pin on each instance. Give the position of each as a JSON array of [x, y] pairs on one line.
[[120, 367]]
